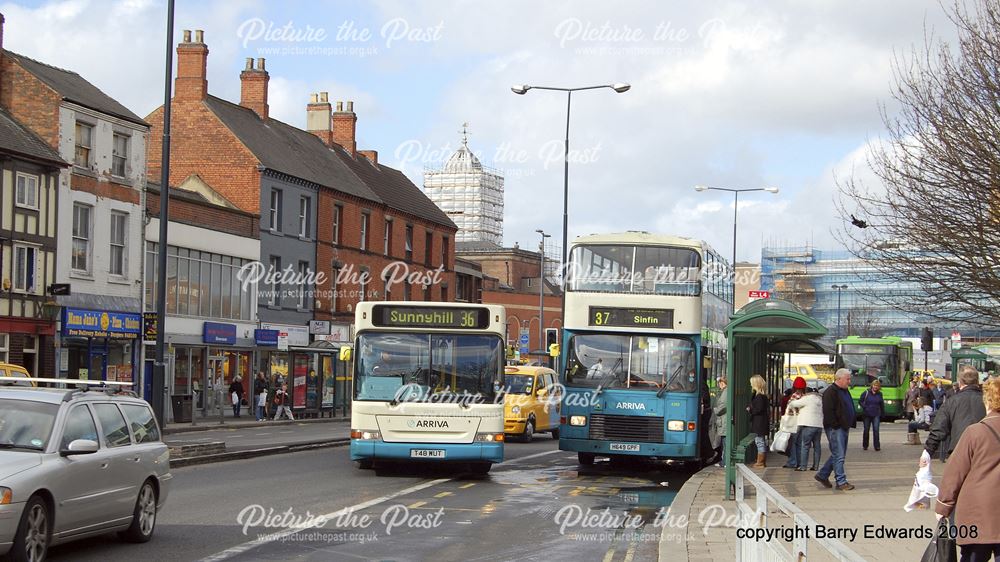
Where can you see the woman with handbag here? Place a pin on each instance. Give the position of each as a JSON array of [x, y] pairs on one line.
[[872, 410], [236, 392], [809, 422], [971, 482], [788, 420], [760, 419]]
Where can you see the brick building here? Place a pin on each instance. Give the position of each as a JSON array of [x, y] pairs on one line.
[[99, 211], [325, 206]]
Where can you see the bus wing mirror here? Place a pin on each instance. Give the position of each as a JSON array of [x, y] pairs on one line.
[[345, 353], [832, 358]]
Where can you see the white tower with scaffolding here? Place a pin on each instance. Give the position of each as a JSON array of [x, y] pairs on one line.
[[470, 194]]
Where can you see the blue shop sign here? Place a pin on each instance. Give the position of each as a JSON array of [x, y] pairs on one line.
[[266, 337], [216, 332], [100, 323]]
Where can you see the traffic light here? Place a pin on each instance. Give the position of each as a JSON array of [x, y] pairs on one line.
[[927, 340], [551, 336]]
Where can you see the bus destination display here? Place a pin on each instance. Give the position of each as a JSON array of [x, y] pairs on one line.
[[631, 317], [467, 318]]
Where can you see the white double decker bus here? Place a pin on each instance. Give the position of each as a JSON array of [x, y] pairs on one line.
[[643, 313], [426, 383]]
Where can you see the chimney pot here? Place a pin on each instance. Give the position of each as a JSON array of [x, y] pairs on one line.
[[260, 64], [324, 97], [313, 98], [199, 36], [340, 106], [350, 107], [187, 35], [249, 63]]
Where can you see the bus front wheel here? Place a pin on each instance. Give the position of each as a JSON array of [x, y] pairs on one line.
[[481, 468], [585, 459], [366, 464]]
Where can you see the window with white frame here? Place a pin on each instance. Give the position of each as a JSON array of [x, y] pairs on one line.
[[304, 217], [409, 242], [119, 234], [27, 191], [25, 268], [275, 274], [84, 137], [338, 211], [82, 215], [303, 285], [364, 232], [119, 154], [363, 285], [333, 288], [387, 239], [275, 211], [4, 338]]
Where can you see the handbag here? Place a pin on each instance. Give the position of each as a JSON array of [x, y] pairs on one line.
[[788, 423], [942, 546], [781, 441]]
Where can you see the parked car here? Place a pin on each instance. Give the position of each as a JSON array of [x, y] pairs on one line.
[[77, 463], [11, 371], [531, 402]]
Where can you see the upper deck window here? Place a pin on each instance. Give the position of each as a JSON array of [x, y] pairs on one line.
[[647, 270]]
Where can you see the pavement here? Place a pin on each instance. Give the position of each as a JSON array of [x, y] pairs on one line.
[[883, 480], [206, 443]]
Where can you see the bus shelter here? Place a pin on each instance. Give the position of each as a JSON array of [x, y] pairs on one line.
[[759, 336], [970, 356]]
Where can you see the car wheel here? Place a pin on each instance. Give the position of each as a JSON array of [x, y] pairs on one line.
[[366, 464], [31, 543], [529, 431], [586, 459], [555, 433], [143, 516]]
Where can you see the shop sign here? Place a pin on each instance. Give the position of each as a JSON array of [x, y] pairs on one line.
[[100, 324], [319, 327], [283, 341], [149, 326], [219, 333], [265, 337], [298, 336]]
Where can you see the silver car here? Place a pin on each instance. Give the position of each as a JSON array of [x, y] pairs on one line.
[[77, 463]]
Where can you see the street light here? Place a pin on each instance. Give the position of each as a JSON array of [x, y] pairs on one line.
[[736, 205], [541, 290], [522, 89], [839, 289]]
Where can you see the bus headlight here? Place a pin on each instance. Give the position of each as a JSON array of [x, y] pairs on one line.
[[578, 420], [490, 437], [515, 410], [366, 435], [675, 425], [890, 402]]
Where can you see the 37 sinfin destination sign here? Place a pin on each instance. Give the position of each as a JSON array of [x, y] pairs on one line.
[[631, 317], [460, 318]]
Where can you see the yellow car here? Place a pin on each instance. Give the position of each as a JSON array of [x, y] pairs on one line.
[[16, 371], [531, 401]]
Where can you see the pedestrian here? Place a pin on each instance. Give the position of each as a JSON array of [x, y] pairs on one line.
[[760, 422], [262, 404], [927, 392], [798, 390], [938, 396], [722, 418], [965, 407], [872, 410], [911, 395], [281, 402], [809, 422], [921, 419], [236, 393], [838, 420], [970, 482]]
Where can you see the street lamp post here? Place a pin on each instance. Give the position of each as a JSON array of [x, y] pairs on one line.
[[839, 289], [736, 206], [541, 290], [521, 89]]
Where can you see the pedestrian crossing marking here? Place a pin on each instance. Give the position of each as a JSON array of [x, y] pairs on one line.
[[415, 505], [469, 485], [442, 495]]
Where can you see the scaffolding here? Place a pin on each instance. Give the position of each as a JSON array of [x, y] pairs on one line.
[[470, 194]]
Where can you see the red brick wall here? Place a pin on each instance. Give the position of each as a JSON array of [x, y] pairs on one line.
[[344, 127], [253, 91], [206, 216], [520, 267], [118, 192], [30, 101], [522, 308], [192, 61], [200, 144]]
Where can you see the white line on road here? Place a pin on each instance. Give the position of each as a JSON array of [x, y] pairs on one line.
[[280, 535]]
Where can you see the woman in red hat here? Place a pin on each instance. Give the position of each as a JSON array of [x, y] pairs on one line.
[[798, 389]]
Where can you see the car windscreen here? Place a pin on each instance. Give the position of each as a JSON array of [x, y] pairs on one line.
[[26, 425], [519, 384]]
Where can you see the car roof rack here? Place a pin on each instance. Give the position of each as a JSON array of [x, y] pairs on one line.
[[109, 387]]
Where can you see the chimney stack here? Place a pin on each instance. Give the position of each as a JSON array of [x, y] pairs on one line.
[[318, 117], [253, 87], [191, 83], [370, 154], [345, 126]]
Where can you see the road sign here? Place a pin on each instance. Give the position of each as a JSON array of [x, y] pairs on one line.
[[523, 341], [956, 340], [756, 295]]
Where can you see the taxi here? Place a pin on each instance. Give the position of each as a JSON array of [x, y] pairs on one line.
[[17, 372], [531, 401]]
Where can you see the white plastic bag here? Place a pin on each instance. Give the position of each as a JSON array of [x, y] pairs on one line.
[[922, 492], [789, 423], [236, 398], [781, 440]]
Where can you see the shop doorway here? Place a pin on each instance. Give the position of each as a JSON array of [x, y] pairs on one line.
[[215, 382]]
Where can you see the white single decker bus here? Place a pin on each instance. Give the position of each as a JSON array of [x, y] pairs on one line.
[[426, 382]]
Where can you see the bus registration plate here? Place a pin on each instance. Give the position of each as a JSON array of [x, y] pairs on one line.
[[427, 453], [624, 447]]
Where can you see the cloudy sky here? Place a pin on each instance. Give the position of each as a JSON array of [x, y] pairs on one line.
[[732, 94]]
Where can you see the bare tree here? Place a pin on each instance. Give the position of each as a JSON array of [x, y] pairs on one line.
[[865, 322], [931, 223]]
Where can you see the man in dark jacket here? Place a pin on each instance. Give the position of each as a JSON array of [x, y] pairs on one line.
[[960, 410], [838, 420]]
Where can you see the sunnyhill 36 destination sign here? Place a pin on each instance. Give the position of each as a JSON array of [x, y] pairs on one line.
[[468, 318]]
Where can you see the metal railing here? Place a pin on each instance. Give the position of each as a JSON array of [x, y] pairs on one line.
[[771, 507]]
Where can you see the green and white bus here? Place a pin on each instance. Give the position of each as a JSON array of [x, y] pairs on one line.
[[886, 359]]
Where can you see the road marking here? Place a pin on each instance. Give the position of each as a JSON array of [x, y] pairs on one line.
[[415, 505], [268, 538], [276, 536], [442, 495], [630, 552], [469, 485]]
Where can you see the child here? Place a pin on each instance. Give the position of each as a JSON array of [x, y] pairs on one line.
[[280, 398], [262, 405]]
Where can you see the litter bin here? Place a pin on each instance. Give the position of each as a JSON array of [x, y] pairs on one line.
[[182, 407]]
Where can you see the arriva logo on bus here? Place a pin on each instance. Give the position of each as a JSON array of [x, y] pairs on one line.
[[428, 423], [630, 406]]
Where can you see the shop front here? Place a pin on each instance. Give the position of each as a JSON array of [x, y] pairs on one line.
[[310, 370], [99, 344]]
